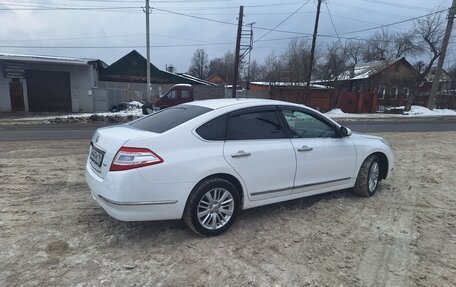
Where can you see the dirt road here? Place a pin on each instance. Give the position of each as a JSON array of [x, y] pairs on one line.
[[53, 233]]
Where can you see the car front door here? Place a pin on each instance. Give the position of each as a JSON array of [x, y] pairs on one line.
[[259, 151], [324, 160]]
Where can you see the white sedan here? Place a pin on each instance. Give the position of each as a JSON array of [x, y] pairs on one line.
[[205, 161]]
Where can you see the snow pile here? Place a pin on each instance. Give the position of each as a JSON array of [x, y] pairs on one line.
[[133, 111], [335, 113], [415, 111], [425, 112], [134, 105]]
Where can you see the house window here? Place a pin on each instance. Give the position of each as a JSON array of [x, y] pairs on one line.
[[406, 93], [381, 92], [394, 92]]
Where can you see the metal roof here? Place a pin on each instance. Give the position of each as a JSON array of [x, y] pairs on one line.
[[291, 84], [45, 59], [367, 70]]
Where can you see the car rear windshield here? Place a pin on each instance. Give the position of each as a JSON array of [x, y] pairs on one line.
[[169, 118]]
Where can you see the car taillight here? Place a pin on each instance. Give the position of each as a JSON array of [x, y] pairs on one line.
[[133, 157]]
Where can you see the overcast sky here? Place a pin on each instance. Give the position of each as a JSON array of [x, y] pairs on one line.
[[117, 26]]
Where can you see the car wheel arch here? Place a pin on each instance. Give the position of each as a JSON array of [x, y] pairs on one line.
[[383, 161], [229, 177]]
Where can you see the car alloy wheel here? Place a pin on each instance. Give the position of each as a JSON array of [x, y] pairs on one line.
[[368, 178], [215, 208], [373, 176], [212, 207]]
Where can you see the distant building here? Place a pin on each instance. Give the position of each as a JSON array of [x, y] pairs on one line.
[[125, 80], [66, 84], [46, 83], [446, 95], [321, 96], [217, 79], [392, 80]]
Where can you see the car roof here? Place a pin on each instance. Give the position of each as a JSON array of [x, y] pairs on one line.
[[230, 104], [221, 103]]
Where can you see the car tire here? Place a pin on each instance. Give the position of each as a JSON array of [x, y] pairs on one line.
[[368, 177], [212, 218]]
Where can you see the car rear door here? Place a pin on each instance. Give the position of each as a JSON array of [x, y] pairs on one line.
[[324, 159], [259, 151]]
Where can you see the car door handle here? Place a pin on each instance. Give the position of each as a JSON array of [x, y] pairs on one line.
[[305, 148], [240, 153]]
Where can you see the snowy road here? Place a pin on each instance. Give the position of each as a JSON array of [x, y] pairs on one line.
[[85, 131]]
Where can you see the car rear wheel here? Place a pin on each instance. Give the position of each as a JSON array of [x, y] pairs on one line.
[[368, 177], [212, 207]]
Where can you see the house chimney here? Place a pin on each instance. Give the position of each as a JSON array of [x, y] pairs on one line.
[[352, 71]]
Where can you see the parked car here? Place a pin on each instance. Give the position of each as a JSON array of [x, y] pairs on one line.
[[183, 93], [205, 161], [177, 94]]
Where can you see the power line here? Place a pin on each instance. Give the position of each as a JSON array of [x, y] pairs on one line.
[[391, 4], [68, 8], [283, 21], [140, 1], [332, 22], [291, 32], [395, 23], [113, 47], [371, 11], [44, 6], [193, 16]]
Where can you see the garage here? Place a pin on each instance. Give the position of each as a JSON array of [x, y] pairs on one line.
[[48, 91], [35, 83]]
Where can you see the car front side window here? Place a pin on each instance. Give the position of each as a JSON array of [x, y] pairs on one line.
[[303, 125]]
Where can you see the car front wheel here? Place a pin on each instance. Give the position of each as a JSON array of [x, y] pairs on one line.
[[368, 177], [212, 207]]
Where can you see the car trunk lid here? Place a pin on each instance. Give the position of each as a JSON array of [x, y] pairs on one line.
[[107, 141]]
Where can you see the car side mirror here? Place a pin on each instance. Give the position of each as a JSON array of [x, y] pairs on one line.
[[345, 132]]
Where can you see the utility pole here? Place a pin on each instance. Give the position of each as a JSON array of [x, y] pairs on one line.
[[438, 71], [312, 53], [238, 47], [147, 10], [250, 47]]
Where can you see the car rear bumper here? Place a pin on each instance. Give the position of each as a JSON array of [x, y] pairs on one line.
[[127, 197]]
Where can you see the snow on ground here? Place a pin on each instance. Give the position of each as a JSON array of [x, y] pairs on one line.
[[415, 111], [133, 111]]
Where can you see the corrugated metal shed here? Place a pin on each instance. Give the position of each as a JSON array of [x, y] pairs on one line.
[[45, 59]]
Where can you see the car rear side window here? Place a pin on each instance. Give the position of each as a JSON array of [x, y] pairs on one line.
[[169, 118], [254, 125], [213, 130]]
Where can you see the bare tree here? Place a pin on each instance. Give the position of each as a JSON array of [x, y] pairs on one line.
[[419, 67], [354, 51], [273, 68], [255, 73], [430, 31], [223, 66], [334, 62], [296, 60], [199, 64], [384, 46], [406, 44], [378, 47]]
